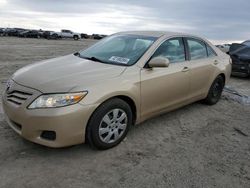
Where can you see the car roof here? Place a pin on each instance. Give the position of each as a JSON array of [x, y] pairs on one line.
[[169, 34], [156, 33]]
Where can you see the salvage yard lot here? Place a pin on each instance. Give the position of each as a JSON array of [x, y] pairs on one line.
[[195, 146]]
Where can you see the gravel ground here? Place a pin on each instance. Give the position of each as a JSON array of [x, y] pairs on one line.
[[195, 146]]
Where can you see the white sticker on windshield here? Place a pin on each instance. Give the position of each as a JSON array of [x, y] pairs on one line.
[[122, 60]]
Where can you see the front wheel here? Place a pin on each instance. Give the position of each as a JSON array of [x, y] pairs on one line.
[[109, 124], [215, 91]]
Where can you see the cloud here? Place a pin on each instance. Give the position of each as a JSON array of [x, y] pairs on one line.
[[217, 20]]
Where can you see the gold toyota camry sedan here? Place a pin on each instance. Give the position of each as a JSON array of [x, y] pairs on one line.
[[96, 94]]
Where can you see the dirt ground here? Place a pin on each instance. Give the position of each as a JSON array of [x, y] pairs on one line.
[[195, 146]]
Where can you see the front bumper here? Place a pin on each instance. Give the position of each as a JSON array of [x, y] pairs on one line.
[[68, 123]]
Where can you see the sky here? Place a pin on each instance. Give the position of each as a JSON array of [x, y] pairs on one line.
[[220, 21]]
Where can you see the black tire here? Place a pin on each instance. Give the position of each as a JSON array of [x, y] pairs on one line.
[[215, 91], [75, 37], [55, 36], [92, 134]]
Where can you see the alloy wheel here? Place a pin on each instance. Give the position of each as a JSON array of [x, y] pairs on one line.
[[113, 125]]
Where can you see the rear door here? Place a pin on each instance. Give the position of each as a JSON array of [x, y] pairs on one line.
[[203, 62], [163, 88]]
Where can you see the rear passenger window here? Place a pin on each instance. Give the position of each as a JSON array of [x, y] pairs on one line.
[[173, 49], [197, 49], [210, 51]]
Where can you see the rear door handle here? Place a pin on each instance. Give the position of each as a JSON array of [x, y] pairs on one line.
[[185, 69], [216, 62]]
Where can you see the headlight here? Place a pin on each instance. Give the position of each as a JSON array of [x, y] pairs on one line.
[[57, 100]]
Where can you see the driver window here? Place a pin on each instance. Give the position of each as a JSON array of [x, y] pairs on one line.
[[173, 49]]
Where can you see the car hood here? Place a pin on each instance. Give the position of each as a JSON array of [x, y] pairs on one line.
[[64, 74]]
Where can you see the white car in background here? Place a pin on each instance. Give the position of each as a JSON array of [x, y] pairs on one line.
[[224, 48], [65, 34]]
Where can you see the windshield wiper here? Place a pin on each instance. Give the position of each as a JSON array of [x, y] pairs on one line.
[[89, 58], [97, 60], [77, 54], [93, 59]]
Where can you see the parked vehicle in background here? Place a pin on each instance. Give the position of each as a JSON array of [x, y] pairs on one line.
[[1, 31], [8, 31], [47, 34], [240, 54], [247, 42], [40, 32], [30, 34], [13, 31], [5, 31], [224, 48], [227, 45], [23, 33], [96, 94], [84, 36], [98, 36], [65, 34]]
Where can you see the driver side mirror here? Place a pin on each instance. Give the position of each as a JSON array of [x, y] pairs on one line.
[[159, 62]]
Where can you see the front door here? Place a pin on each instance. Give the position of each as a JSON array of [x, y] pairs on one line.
[[163, 88]]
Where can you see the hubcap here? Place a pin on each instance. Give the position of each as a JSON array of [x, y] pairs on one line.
[[113, 125], [216, 89]]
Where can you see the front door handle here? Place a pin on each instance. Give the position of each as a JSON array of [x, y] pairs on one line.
[[216, 62], [185, 69]]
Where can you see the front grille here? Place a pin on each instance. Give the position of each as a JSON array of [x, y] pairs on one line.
[[18, 97]]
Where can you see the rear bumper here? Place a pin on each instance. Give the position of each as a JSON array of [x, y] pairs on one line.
[[240, 74], [68, 123], [242, 69]]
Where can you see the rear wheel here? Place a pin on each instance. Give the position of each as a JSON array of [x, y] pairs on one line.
[[109, 124], [215, 91], [75, 37]]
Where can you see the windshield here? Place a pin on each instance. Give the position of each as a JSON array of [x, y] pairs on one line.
[[247, 43], [118, 49]]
